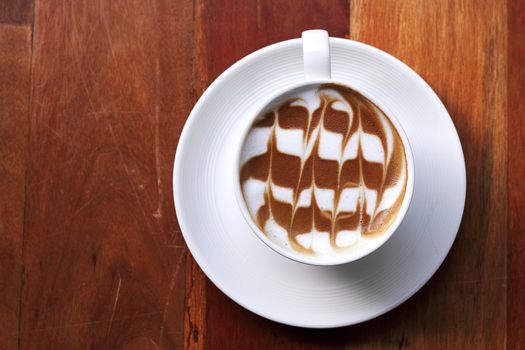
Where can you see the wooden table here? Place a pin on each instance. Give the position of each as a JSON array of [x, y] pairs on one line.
[[93, 97]]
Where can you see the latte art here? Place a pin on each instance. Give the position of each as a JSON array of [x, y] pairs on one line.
[[324, 171]]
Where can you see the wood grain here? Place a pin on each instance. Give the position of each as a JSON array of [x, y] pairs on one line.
[[15, 57], [195, 289], [516, 166], [93, 97], [104, 258], [460, 49], [16, 11]]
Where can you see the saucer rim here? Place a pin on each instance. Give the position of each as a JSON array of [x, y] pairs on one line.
[[177, 182]]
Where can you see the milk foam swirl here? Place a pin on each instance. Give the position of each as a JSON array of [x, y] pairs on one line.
[[323, 170]]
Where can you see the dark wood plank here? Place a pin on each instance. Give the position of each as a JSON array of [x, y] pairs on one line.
[[104, 258], [16, 11], [460, 48], [195, 312], [516, 169], [229, 30], [225, 32], [15, 58], [195, 315]]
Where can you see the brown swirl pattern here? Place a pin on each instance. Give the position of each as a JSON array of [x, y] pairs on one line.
[[323, 170]]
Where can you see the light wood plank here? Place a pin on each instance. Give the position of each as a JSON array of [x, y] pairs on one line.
[[460, 48], [104, 258]]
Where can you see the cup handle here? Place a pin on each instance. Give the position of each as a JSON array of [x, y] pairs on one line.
[[316, 54]]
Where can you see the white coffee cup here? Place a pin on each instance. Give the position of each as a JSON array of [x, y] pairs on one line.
[[316, 56]]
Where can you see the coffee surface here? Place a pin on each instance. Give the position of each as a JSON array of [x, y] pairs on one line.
[[323, 170]]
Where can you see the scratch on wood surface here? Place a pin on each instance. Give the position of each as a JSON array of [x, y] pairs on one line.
[[259, 14], [117, 112], [57, 231], [175, 246], [83, 81], [81, 74], [114, 306], [158, 213], [128, 175], [90, 323], [124, 165], [170, 291], [153, 343], [54, 132], [106, 30]]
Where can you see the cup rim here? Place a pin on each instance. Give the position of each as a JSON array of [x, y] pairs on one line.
[[337, 260]]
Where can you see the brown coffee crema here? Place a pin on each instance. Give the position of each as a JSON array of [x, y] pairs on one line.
[[323, 169]]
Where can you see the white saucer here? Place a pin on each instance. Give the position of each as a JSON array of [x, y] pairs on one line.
[[263, 281]]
